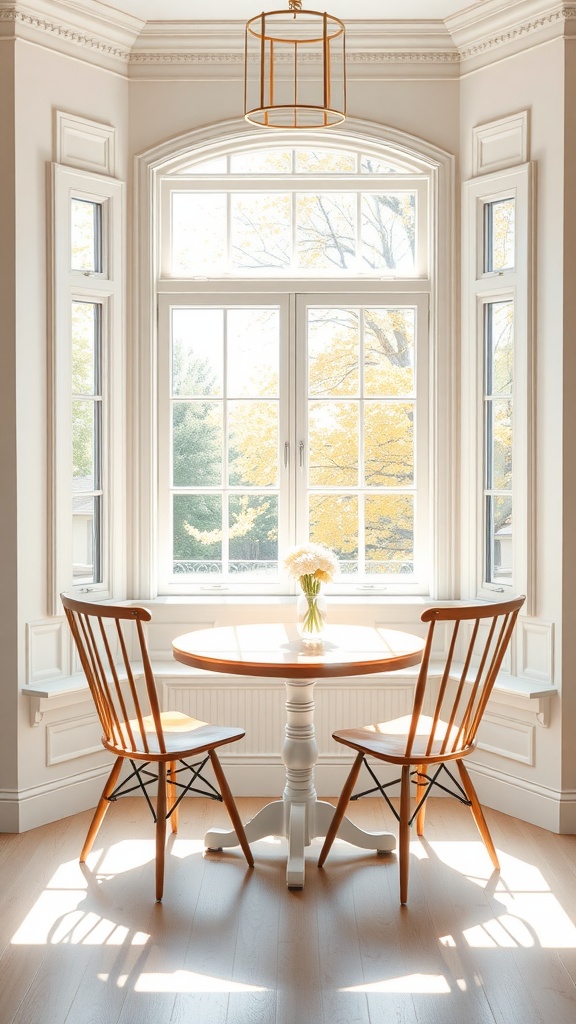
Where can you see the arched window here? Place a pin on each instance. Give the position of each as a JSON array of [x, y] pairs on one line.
[[294, 289]]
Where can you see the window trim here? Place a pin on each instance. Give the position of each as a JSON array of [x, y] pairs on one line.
[[407, 151], [105, 287]]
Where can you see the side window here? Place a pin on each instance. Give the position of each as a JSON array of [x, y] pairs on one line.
[[497, 374], [87, 360]]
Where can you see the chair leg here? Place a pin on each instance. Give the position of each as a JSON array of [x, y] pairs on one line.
[[421, 784], [172, 794], [160, 830], [478, 814], [231, 807], [340, 808], [404, 832], [103, 805]]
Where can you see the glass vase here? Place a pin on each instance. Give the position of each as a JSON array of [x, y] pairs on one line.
[[311, 616]]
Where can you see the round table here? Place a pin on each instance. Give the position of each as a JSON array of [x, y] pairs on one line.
[[275, 650]]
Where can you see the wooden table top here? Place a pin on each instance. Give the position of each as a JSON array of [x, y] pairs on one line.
[[275, 649]]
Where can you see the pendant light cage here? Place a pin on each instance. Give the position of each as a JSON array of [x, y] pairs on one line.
[[295, 71]]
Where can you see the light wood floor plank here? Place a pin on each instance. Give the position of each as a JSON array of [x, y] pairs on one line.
[[234, 946]]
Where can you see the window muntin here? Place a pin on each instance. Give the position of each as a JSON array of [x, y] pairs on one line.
[[498, 440]]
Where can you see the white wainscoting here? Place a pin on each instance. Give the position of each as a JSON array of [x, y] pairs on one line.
[[506, 765]]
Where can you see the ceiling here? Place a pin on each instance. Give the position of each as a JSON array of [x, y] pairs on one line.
[[241, 10]]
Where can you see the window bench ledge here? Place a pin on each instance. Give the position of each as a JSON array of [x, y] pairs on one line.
[[66, 691]]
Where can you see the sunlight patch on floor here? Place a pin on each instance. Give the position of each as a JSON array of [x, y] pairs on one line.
[[183, 848], [531, 914], [188, 981], [57, 916], [417, 984]]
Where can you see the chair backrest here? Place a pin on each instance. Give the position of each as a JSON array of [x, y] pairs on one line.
[[474, 641], [126, 700]]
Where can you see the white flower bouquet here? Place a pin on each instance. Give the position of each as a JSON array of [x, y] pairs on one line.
[[311, 565]]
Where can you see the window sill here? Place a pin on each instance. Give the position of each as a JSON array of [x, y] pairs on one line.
[[66, 691]]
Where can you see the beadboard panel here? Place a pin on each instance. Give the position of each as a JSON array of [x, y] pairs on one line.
[[259, 709]]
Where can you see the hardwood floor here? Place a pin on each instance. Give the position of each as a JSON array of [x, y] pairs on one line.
[[233, 946]]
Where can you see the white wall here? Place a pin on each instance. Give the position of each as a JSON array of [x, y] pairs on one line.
[[45, 82], [147, 111]]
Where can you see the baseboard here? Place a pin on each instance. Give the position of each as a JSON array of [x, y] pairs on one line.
[[538, 805], [552, 810], [41, 805]]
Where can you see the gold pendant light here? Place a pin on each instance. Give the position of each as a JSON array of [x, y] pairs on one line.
[[295, 73]]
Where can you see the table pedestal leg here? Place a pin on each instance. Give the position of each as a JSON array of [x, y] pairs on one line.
[[299, 816]]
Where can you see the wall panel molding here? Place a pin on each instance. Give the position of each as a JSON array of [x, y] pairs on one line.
[[84, 144]]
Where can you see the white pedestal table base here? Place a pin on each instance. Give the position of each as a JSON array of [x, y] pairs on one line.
[[299, 816]]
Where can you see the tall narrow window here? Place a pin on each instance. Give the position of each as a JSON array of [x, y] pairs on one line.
[[88, 433], [497, 489]]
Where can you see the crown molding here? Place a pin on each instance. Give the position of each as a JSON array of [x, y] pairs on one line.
[[479, 33], [493, 25], [59, 24]]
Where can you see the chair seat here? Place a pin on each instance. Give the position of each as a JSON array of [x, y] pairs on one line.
[[387, 740], [182, 735]]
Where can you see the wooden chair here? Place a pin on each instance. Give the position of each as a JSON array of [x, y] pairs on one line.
[[443, 725], [159, 745]]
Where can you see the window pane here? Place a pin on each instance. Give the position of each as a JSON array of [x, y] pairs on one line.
[[388, 231], [253, 443], [499, 538], [86, 241], [499, 235], [85, 348], [262, 161], [389, 351], [252, 352], [326, 231], [389, 444], [373, 165], [333, 521], [197, 352], [253, 532], [499, 347], [198, 233], [196, 444], [84, 453], [333, 444], [499, 439], [333, 352], [324, 161], [389, 534], [261, 231], [86, 540], [197, 534]]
